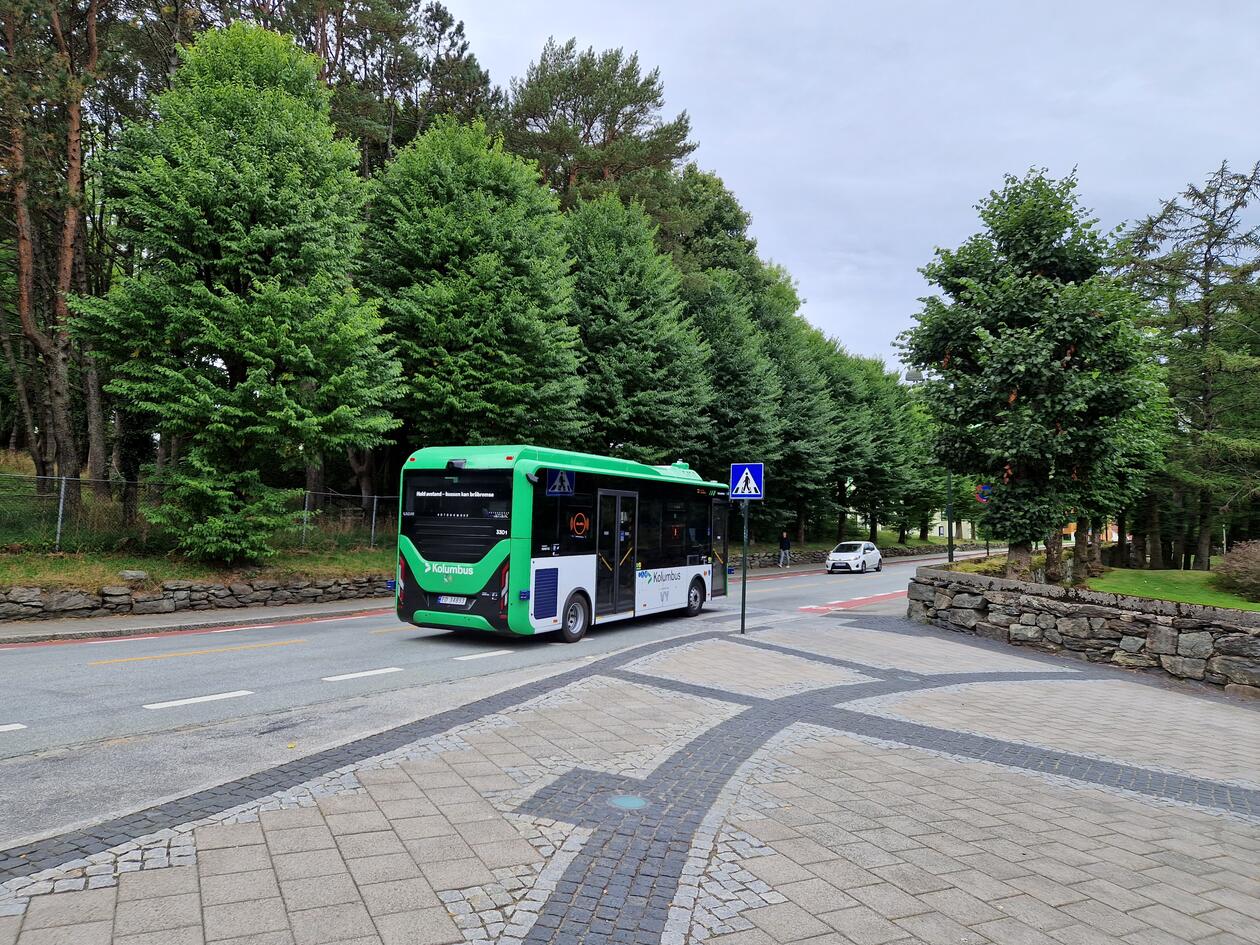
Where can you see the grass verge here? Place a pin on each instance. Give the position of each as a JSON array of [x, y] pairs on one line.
[[1187, 587], [98, 570]]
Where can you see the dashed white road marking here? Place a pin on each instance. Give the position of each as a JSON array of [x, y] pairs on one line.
[[482, 656], [259, 626], [12, 727], [366, 672], [214, 698]]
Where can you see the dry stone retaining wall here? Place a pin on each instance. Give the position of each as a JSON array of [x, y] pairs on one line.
[[1214, 644], [37, 603]]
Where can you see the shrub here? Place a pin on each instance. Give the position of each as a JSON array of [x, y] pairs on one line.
[[1240, 570]]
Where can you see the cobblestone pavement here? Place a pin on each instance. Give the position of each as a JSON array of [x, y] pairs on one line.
[[834, 782]]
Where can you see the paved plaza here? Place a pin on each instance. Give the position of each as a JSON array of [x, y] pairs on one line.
[[834, 780]]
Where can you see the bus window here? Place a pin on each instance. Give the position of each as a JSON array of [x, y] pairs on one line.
[[649, 531], [698, 544], [456, 515]]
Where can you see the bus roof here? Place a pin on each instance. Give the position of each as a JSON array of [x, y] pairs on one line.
[[537, 457]]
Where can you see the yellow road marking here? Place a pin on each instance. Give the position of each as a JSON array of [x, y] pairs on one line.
[[394, 629], [205, 652]]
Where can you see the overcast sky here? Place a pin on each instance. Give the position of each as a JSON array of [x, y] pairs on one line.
[[859, 136]]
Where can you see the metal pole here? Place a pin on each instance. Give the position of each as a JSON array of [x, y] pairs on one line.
[[372, 540], [949, 513], [306, 516], [743, 581], [61, 511]]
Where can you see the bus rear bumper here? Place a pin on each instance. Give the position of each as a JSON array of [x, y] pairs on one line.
[[446, 620]]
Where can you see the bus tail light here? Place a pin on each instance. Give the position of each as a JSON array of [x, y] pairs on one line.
[[402, 575], [503, 590]]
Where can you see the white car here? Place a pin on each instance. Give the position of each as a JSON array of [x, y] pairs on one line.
[[859, 556]]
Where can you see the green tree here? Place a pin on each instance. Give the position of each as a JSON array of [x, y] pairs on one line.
[[466, 252], [643, 361], [802, 483], [743, 418], [1030, 352], [589, 119], [238, 332], [1196, 260], [881, 469]]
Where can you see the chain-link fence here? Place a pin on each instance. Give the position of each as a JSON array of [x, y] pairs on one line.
[[56, 513]]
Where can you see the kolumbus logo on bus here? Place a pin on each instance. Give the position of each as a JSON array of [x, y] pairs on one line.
[[447, 569]]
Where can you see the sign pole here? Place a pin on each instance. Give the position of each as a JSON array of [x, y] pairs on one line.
[[743, 581], [949, 514]]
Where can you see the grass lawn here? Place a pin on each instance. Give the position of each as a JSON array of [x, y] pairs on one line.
[[99, 569], [1188, 587]]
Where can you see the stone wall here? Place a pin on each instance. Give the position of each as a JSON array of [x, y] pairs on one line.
[[36, 603], [1214, 644]]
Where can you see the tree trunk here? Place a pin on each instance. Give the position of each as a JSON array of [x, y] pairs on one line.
[[874, 527], [364, 467], [1095, 547], [132, 447], [1155, 544], [1203, 550], [1176, 559], [842, 511], [55, 345], [163, 451], [98, 452], [1019, 561], [25, 414], [924, 526], [901, 533], [1139, 534], [315, 482], [1122, 541], [1080, 552], [1054, 557], [800, 527]]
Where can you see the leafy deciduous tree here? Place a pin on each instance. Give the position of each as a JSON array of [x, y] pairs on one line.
[[466, 252], [647, 390], [239, 331], [1030, 352]]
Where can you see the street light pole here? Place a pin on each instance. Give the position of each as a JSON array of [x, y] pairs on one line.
[[949, 513]]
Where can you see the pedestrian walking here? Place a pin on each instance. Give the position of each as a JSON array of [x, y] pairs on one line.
[[785, 551]]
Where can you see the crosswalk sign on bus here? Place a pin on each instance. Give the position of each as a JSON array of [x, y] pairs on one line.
[[559, 482], [748, 481]]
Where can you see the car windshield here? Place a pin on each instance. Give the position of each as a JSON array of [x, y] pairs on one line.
[[848, 548]]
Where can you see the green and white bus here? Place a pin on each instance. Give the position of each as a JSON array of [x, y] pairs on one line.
[[524, 540]]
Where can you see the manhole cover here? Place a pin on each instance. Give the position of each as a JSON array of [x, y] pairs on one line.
[[628, 801]]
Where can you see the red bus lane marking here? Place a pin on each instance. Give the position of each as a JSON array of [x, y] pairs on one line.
[[849, 604], [163, 634]]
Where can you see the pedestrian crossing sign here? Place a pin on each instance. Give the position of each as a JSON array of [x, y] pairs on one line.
[[748, 481], [559, 482]]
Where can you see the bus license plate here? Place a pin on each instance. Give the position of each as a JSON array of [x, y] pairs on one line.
[[453, 601]]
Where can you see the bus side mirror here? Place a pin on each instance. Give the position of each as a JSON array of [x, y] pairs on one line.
[[532, 477]]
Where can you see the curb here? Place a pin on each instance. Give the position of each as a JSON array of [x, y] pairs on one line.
[[89, 633]]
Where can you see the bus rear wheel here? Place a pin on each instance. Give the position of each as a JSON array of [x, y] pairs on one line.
[[577, 618], [695, 598]]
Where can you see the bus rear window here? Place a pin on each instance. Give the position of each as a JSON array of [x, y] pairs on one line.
[[456, 515]]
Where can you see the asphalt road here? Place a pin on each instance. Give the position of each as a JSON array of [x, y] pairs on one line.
[[93, 728]]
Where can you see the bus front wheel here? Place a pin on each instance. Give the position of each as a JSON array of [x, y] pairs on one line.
[[695, 598], [577, 618]]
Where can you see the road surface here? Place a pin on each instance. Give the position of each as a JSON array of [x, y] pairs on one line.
[[91, 728]]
